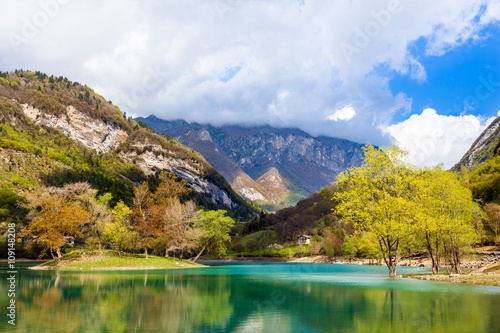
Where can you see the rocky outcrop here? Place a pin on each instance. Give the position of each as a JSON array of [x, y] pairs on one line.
[[159, 158], [98, 135], [38, 102], [104, 137], [483, 148]]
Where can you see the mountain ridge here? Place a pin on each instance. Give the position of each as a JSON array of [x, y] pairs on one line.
[[306, 163]]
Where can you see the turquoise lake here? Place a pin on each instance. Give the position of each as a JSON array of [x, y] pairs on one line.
[[247, 297]]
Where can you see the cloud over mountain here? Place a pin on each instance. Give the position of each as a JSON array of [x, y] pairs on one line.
[[287, 63], [431, 139]]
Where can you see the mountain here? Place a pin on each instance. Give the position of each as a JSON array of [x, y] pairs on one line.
[[274, 167], [54, 131], [486, 145]]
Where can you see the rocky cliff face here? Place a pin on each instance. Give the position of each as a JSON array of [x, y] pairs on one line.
[[94, 134], [485, 146], [103, 137], [303, 163]]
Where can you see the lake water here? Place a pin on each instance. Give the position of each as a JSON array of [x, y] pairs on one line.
[[247, 297]]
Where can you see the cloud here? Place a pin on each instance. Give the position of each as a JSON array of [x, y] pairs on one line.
[[346, 113], [254, 62], [431, 139]]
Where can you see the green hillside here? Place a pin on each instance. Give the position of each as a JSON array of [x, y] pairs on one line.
[[33, 154]]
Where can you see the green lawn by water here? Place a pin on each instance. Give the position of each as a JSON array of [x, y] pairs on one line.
[[110, 260]]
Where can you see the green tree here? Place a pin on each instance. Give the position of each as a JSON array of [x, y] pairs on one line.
[[445, 215], [377, 198], [349, 247], [216, 226], [368, 248], [485, 181], [120, 232], [493, 219]]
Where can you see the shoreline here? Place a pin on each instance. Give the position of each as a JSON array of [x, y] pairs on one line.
[[488, 275]]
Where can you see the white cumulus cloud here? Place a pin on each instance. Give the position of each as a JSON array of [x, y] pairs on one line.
[[249, 62], [346, 113], [431, 138]]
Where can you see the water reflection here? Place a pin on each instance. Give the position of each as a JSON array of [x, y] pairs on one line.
[[275, 298]]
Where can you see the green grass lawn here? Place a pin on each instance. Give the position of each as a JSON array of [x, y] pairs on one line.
[[110, 260]]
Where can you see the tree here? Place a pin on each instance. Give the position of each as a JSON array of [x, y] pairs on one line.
[[159, 216], [349, 248], [99, 215], [11, 207], [119, 232], [170, 187], [493, 221], [485, 181], [446, 215], [181, 225], [215, 225], [377, 198], [327, 243], [144, 215], [368, 248], [52, 217]]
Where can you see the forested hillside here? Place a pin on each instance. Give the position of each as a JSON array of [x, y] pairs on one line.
[[55, 133]]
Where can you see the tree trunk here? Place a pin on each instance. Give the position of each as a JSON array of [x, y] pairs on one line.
[[434, 257], [387, 250], [456, 261], [59, 254], [54, 256], [146, 251], [392, 271], [166, 252], [199, 254]]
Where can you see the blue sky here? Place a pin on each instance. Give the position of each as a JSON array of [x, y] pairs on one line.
[[456, 80], [421, 74]]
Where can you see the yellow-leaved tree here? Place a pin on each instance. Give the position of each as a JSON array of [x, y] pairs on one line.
[[377, 198], [446, 216], [52, 217]]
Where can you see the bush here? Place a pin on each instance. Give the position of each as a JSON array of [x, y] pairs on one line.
[[238, 247]]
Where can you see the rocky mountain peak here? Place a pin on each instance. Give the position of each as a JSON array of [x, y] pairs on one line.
[[271, 158]]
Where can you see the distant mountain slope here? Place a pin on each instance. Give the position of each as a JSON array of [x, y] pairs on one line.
[[304, 163], [485, 146], [54, 131]]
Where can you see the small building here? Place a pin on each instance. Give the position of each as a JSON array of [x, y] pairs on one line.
[[303, 239], [69, 240]]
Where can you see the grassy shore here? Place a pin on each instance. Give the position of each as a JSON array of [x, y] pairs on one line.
[[111, 260]]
